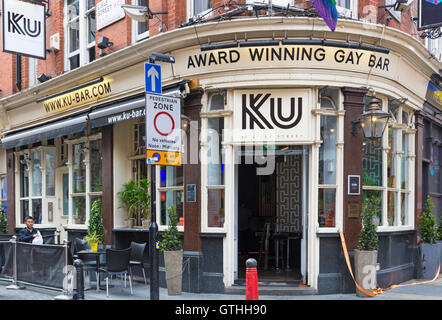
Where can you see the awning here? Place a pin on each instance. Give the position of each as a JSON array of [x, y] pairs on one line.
[[128, 109], [45, 132]]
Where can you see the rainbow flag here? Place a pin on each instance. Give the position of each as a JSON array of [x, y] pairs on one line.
[[327, 10]]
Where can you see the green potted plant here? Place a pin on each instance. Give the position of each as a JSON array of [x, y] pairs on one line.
[[96, 221], [170, 245], [93, 240], [366, 254], [3, 222], [144, 201], [430, 251], [128, 197]]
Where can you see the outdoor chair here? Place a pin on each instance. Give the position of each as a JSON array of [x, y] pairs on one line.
[[117, 263], [136, 257], [89, 262]]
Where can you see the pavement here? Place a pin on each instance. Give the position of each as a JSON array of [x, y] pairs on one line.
[[429, 291]]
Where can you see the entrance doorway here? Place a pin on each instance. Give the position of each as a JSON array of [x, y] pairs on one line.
[[271, 217]]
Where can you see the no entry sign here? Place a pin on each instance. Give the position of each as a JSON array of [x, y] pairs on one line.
[[163, 128]]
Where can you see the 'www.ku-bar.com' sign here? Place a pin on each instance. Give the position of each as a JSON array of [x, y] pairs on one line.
[[24, 28]]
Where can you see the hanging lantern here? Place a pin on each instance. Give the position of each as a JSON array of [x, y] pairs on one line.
[[374, 120]]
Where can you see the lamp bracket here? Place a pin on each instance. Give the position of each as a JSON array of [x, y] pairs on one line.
[[355, 125]]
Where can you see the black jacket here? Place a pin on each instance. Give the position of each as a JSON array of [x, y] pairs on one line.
[[26, 236]]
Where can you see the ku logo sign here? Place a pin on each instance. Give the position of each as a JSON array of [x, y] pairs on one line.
[[279, 115], [18, 23], [273, 116], [24, 28]]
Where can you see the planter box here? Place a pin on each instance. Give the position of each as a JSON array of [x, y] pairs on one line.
[[173, 262], [365, 270], [430, 255]]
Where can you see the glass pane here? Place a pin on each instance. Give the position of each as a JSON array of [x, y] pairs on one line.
[[91, 27], [200, 6], [391, 207], [404, 209], [73, 9], [392, 157], [327, 207], [143, 26], [215, 208], [3, 195], [372, 162], [171, 198], [343, 3], [36, 173], [215, 152], [24, 208], [404, 161], [65, 194], [79, 210], [74, 62], [404, 117], [50, 172], [139, 169], [37, 211], [74, 36], [140, 138], [376, 195], [90, 4], [329, 98], [217, 102], [327, 151], [91, 52], [79, 169], [95, 165], [171, 176], [24, 177]]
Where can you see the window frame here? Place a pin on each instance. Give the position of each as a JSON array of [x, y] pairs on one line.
[[83, 37], [397, 124], [190, 9], [135, 25], [45, 199], [88, 193], [339, 113], [225, 113], [4, 200]]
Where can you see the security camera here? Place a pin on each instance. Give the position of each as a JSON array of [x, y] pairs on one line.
[[104, 43], [161, 57]]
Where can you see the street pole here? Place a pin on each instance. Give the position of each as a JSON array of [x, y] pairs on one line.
[[153, 230]]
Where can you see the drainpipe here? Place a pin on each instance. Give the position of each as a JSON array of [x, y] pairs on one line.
[[18, 72]]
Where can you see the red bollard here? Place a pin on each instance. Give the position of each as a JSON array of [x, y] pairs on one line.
[[251, 280]]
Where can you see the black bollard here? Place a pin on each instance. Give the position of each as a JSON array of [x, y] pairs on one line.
[[79, 295]]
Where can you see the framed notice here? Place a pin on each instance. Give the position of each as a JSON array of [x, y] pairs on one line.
[[354, 185], [190, 192]]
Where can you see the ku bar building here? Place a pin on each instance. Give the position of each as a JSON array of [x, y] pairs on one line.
[[274, 165]]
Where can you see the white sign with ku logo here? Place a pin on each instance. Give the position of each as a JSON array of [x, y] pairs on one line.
[[273, 116], [24, 28]]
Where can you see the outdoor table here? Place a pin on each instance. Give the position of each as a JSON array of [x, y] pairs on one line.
[[97, 255]]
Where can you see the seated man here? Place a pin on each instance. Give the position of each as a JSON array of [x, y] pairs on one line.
[[29, 233]]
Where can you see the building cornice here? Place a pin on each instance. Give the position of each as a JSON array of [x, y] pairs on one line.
[[245, 28]]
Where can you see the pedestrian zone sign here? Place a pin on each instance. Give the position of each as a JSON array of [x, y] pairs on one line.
[[163, 129]]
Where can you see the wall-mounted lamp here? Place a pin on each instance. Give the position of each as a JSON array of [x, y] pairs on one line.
[[185, 121], [43, 78], [373, 121], [161, 57]]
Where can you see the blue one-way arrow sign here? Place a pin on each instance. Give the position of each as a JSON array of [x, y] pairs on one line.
[[152, 75]]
